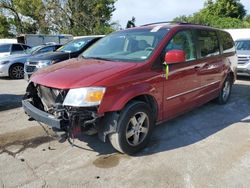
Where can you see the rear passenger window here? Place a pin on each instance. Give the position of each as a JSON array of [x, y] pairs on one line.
[[183, 40], [208, 43], [17, 48], [227, 42]]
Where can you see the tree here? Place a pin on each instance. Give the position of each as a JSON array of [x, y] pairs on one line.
[[26, 16], [221, 14], [79, 17], [4, 27], [225, 8]]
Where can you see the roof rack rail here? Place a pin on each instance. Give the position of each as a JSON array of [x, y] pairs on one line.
[[171, 22], [167, 22]]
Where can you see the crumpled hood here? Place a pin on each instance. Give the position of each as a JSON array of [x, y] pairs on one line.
[[80, 72]]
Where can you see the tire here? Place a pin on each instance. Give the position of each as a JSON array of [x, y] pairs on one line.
[[225, 91], [16, 71], [134, 128]]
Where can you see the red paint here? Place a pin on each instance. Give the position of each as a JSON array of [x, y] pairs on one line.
[[127, 80]]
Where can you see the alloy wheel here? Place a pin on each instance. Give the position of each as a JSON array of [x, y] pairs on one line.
[[17, 71], [137, 129], [226, 90]]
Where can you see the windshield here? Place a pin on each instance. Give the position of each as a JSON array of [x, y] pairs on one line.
[[130, 45], [74, 45], [243, 45], [32, 50]]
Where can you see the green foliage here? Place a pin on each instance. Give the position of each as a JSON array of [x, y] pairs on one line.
[[4, 27], [225, 8], [220, 14], [26, 16], [247, 19], [91, 16], [77, 17]]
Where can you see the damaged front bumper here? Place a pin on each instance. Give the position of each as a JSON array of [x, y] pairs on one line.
[[42, 116], [45, 105]]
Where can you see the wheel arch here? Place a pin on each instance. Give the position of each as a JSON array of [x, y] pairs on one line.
[[148, 99], [109, 121], [124, 99], [14, 64]]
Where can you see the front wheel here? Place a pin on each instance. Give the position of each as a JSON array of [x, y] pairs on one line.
[[225, 91], [16, 71], [134, 128]]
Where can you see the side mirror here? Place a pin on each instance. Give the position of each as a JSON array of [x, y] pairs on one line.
[[175, 56]]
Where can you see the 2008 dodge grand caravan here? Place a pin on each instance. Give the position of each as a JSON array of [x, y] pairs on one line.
[[133, 79]]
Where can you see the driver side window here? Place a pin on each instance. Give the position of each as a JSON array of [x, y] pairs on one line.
[[183, 40]]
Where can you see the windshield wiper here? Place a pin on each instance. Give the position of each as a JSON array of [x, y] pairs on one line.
[[98, 58]]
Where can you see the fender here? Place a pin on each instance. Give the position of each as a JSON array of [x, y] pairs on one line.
[[123, 95]]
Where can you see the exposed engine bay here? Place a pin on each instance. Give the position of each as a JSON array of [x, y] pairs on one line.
[[50, 100]]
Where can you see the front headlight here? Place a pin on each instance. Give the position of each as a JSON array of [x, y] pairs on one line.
[[4, 62], [84, 97], [44, 63]]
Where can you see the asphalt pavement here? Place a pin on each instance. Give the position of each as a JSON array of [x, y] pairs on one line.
[[207, 147]]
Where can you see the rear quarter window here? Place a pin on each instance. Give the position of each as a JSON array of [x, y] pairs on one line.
[[208, 43], [227, 42]]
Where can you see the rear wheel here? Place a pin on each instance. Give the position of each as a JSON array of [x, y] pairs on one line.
[[134, 128], [16, 71], [225, 91]]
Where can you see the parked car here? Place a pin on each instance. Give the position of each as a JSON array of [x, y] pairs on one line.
[[10, 49], [70, 50], [131, 80], [12, 66], [243, 52]]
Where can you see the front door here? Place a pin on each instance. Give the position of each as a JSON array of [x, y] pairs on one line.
[[181, 89]]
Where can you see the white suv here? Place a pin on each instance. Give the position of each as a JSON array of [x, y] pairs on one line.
[[243, 52]]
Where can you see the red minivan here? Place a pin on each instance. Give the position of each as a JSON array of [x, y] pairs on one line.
[[131, 80]]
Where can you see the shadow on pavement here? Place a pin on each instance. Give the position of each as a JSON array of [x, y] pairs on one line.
[[5, 78], [201, 123], [97, 145], [191, 127], [10, 101]]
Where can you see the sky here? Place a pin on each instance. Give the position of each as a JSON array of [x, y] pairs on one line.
[[149, 11]]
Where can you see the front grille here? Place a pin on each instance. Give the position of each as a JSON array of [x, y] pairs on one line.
[[50, 97], [243, 60], [32, 63], [30, 69]]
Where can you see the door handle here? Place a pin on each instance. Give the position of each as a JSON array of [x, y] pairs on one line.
[[197, 67], [206, 65], [201, 66]]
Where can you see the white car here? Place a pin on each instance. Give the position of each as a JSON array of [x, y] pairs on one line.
[[9, 49], [13, 65], [243, 52]]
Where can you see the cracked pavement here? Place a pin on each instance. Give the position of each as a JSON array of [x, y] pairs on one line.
[[206, 147]]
